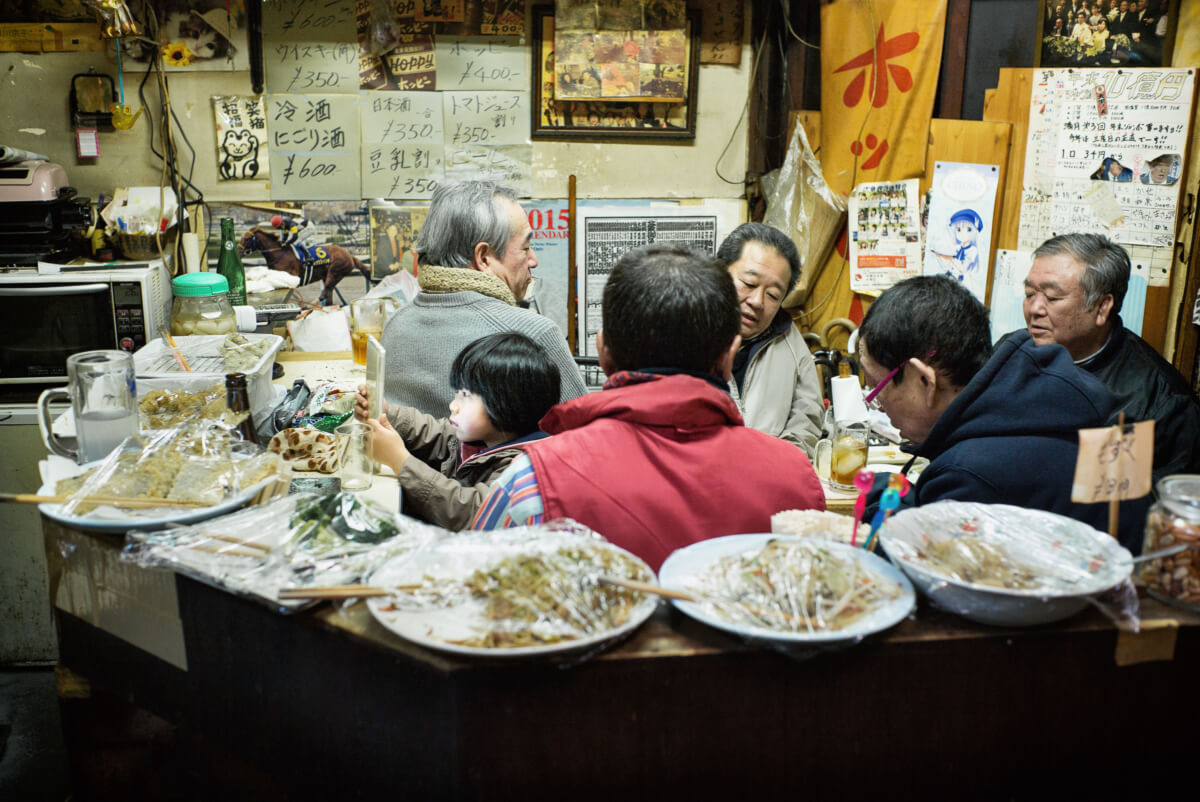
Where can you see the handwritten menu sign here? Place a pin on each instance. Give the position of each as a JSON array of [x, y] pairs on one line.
[[487, 138], [1105, 154], [506, 17], [721, 32], [481, 63], [402, 153], [309, 46], [314, 142], [1114, 463]]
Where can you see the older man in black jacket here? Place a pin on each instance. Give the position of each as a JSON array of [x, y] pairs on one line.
[[1073, 297]]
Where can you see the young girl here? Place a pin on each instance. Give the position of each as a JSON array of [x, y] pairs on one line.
[[506, 383]]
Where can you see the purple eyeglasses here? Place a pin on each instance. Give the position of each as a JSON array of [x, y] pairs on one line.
[[883, 382]]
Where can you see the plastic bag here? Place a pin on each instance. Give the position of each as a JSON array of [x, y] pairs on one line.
[[325, 328], [193, 462], [400, 285], [296, 541], [803, 206], [1010, 566]]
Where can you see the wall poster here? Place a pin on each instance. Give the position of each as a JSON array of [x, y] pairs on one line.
[[885, 240], [242, 151], [604, 235], [1105, 153], [959, 239]]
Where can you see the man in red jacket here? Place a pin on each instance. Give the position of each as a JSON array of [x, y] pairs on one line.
[[660, 457]]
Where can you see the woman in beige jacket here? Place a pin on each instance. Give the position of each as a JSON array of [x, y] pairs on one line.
[[774, 378]]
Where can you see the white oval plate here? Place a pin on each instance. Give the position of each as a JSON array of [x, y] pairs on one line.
[[457, 558], [189, 515], [684, 567]]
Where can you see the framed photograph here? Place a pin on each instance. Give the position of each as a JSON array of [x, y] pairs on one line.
[[558, 118], [1106, 33], [394, 232]]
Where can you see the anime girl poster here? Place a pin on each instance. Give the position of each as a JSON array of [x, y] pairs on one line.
[[962, 200]]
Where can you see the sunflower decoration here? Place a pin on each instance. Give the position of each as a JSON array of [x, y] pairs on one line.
[[176, 54]]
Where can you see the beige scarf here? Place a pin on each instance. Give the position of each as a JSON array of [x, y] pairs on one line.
[[463, 279]]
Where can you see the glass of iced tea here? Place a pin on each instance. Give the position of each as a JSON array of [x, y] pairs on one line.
[[849, 454], [367, 316]]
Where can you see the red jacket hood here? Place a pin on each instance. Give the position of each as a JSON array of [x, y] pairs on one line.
[[681, 402]]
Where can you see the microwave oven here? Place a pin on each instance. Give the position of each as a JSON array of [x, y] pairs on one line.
[[47, 317]]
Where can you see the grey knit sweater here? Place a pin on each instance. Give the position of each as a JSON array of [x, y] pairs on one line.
[[423, 338]]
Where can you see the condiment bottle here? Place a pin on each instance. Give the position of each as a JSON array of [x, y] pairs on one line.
[[229, 264], [237, 398], [201, 305], [1173, 519]]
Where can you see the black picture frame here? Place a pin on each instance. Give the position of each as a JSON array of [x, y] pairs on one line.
[[557, 119], [1058, 47]]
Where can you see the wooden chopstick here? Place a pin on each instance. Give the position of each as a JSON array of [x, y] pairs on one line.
[[644, 587], [231, 551], [344, 591], [31, 498]]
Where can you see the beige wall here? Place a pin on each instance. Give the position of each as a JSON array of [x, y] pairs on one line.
[[34, 115]]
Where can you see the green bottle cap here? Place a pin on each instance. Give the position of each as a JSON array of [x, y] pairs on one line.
[[199, 285]]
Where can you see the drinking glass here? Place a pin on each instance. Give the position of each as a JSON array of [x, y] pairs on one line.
[[849, 454], [367, 316], [358, 466], [103, 394]]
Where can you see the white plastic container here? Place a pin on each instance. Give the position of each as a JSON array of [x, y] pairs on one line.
[[157, 368]]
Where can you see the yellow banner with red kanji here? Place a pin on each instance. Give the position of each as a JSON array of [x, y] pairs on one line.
[[880, 61], [879, 74]]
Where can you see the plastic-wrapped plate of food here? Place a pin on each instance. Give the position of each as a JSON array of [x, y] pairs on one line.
[[788, 589], [1003, 565], [514, 593]]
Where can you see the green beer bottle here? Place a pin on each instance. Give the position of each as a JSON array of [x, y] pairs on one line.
[[229, 264]]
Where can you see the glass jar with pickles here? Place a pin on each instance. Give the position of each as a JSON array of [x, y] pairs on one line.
[[1175, 519], [201, 305]]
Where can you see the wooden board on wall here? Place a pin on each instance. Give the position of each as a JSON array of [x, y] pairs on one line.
[[1009, 103], [971, 142]]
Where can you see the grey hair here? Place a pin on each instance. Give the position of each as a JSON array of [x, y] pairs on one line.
[[1106, 265], [460, 217]]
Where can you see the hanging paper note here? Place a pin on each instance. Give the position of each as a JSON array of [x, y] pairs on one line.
[[314, 146], [481, 63], [402, 153], [1114, 463], [241, 138], [310, 46]]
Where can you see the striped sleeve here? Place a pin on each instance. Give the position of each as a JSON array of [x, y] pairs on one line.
[[515, 499]]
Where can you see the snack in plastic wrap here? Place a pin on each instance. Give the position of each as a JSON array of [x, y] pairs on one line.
[[817, 523], [797, 594], [521, 591], [197, 462], [1013, 566], [796, 586], [241, 354], [294, 541]]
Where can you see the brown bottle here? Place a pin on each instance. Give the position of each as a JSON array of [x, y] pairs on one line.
[[237, 398]]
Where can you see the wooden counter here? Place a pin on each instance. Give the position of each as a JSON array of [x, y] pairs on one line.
[[328, 704]]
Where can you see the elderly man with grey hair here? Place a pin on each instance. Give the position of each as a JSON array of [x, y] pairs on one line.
[[474, 257], [1073, 297]]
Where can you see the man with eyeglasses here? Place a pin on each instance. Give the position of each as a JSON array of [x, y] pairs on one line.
[[997, 428], [474, 257]]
